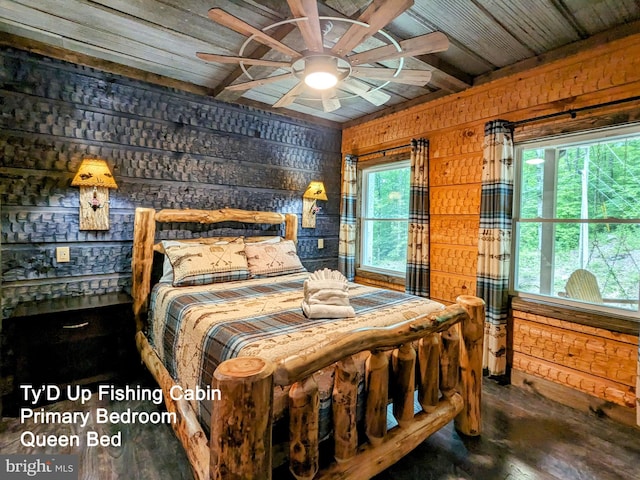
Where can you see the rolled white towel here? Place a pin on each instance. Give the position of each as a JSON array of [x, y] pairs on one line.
[[312, 286], [328, 297], [327, 311]]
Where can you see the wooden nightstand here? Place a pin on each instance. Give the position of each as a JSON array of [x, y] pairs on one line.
[[77, 341]]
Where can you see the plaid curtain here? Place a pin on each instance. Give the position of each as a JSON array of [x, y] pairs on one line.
[[418, 278], [494, 246], [347, 242]]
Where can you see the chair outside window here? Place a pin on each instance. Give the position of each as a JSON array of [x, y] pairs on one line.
[[583, 285]]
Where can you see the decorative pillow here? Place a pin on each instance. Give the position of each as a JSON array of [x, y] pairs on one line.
[[167, 269], [272, 259], [200, 264], [263, 241], [202, 240]]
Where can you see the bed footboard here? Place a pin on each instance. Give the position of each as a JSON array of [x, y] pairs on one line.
[[448, 378]]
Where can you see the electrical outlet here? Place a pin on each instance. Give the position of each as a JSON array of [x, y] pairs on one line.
[[320, 243], [62, 254]]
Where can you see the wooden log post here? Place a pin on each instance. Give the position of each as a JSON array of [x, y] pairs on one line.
[[429, 372], [141, 265], [187, 427], [449, 361], [240, 440], [371, 460], [404, 383], [344, 405], [291, 227], [220, 215], [377, 367], [469, 420], [304, 411]]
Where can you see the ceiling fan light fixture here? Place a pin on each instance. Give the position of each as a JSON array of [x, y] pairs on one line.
[[321, 72]]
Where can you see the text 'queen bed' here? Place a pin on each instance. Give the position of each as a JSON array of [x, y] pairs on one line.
[[239, 329]]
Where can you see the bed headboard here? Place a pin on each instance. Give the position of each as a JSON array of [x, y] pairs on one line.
[[144, 231]]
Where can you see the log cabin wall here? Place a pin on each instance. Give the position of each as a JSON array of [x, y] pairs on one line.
[[598, 362], [550, 349], [166, 149]]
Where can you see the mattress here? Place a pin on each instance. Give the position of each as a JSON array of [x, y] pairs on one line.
[[194, 329]]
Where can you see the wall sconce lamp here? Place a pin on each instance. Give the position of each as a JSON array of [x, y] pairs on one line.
[[94, 180], [314, 192]]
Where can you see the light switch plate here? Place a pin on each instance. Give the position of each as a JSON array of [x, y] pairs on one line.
[[62, 254], [320, 243]]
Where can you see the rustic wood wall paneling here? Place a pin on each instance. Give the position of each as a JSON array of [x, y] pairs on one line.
[[454, 126], [167, 149]]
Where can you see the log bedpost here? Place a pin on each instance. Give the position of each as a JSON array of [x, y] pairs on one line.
[[240, 439], [291, 227], [404, 384], [344, 405], [449, 361], [144, 231], [377, 368], [304, 410], [429, 372], [187, 428], [469, 420]]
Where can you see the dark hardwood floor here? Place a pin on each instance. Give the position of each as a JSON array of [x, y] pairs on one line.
[[528, 437], [525, 437]]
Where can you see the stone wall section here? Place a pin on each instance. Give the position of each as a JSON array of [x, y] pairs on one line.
[[166, 149]]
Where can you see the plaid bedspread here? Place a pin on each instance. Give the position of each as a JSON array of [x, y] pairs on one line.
[[194, 329]]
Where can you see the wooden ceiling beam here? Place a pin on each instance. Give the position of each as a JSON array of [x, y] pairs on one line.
[[568, 15], [445, 75]]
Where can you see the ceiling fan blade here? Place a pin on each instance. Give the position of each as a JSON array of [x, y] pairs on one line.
[[258, 83], [309, 28], [226, 19], [375, 97], [378, 14], [212, 57], [329, 104], [409, 77], [429, 43], [289, 97]]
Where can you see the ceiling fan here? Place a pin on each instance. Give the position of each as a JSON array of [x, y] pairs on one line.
[[331, 70]]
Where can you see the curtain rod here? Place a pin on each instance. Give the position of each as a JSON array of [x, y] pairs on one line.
[[385, 150], [573, 111]]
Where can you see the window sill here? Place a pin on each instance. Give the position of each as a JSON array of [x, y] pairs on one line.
[[394, 280], [581, 316]]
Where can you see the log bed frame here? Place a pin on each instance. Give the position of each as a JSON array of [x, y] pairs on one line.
[[426, 354]]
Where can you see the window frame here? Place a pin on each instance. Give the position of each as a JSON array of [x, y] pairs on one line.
[[397, 162], [570, 138]]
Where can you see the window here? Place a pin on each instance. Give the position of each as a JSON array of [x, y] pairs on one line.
[[384, 218], [577, 209]]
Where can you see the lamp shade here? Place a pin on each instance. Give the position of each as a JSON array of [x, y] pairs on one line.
[[94, 173], [316, 191]]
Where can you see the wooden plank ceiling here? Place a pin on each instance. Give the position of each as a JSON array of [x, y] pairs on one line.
[[161, 38]]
